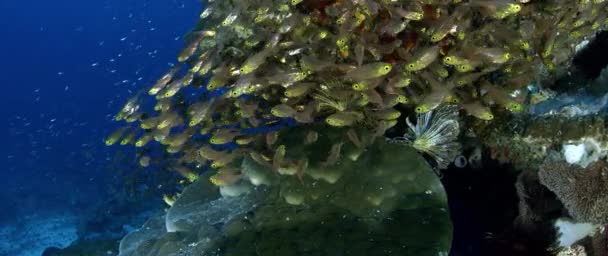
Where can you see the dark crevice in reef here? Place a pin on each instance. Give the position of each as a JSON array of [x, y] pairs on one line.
[[586, 65], [592, 59], [484, 209]]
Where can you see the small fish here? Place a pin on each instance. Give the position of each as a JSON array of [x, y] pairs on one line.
[[399, 81], [499, 9], [501, 97], [464, 79], [246, 140], [209, 153], [115, 136], [255, 61], [392, 100], [423, 59], [478, 110], [334, 155], [365, 85], [149, 123], [144, 139], [144, 161], [313, 64], [437, 94], [345, 118], [191, 48], [186, 172], [354, 138], [128, 138], [282, 111], [439, 70], [225, 159], [219, 78], [260, 159], [305, 115], [394, 26], [168, 120], [161, 134], [493, 55], [387, 114], [447, 25], [271, 138], [409, 14], [200, 111], [163, 81], [231, 17], [311, 137], [288, 78], [223, 136], [225, 177], [369, 71], [169, 200], [298, 89], [279, 157]]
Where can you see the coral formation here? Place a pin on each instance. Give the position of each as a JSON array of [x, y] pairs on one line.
[[527, 141], [386, 202], [584, 191]]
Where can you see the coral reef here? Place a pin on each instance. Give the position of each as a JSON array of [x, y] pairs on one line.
[[288, 102], [527, 141], [584, 191], [378, 206]]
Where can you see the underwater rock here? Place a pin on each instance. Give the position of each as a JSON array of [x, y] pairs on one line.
[[577, 250], [584, 191], [584, 151], [386, 202], [527, 141]]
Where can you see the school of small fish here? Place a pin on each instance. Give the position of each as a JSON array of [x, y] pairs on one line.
[[251, 65]]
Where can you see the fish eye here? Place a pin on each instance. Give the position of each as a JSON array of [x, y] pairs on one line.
[[490, 116], [411, 66], [387, 67]]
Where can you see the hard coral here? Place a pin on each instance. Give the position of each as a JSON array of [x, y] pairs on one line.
[[584, 191]]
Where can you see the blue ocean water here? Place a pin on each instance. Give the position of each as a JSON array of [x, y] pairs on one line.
[[68, 66]]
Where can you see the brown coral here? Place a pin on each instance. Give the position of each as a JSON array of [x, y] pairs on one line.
[[584, 191]]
